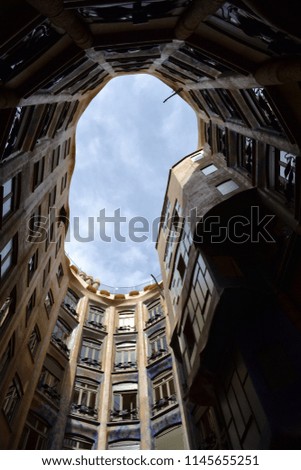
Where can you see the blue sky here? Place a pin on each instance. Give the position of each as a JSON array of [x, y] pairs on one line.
[[126, 142]]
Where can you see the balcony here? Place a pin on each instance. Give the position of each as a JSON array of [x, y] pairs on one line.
[[124, 415], [87, 361], [50, 392], [70, 309], [84, 410], [125, 365], [153, 319], [60, 344], [163, 403], [125, 329], [95, 324], [156, 354]]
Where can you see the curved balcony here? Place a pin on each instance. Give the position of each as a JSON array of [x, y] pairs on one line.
[[124, 415], [87, 361], [94, 324], [69, 308], [125, 366], [153, 319], [125, 329], [156, 354], [163, 403], [60, 344], [50, 392], [84, 410]]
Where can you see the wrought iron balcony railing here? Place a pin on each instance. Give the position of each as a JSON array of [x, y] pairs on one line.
[[156, 354], [95, 324], [60, 344], [125, 328], [153, 319], [125, 365], [78, 408], [123, 415], [163, 403], [87, 361], [50, 392], [70, 309]]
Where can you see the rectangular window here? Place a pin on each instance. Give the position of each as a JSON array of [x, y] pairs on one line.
[[7, 257], [64, 182], [48, 301], [55, 159], [9, 197], [34, 341], [46, 271], [285, 167], [125, 356], [58, 245], [60, 274], [7, 309], [227, 187], [12, 399], [52, 198], [38, 173], [32, 266], [49, 385], [30, 306], [157, 345], [6, 357], [95, 317], [209, 169], [163, 392], [126, 321], [90, 353], [70, 302], [35, 434], [67, 147], [34, 224], [60, 335], [85, 398], [245, 151], [155, 312], [197, 156], [50, 236], [124, 402], [189, 336]]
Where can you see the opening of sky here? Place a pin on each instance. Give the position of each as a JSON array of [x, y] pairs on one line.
[[126, 142]]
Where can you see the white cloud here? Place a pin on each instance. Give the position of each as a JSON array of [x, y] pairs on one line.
[[127, 140]]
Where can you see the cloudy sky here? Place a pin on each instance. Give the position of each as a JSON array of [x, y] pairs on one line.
[[126, 142]]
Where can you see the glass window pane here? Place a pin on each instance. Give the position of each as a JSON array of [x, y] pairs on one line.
[[227, 187], [209, 169], [7, 187], [7, 207]]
